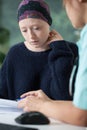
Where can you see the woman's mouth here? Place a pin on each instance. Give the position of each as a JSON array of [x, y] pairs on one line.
[[34, 42]]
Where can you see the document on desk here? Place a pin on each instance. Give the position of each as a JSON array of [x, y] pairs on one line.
[[9, 106]]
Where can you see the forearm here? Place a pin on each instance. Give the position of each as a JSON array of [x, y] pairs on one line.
[[66, 112]]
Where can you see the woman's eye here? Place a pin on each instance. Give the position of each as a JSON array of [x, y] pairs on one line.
[[36, 28], [24, 30]]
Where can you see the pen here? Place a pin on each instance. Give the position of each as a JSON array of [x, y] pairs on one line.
[[19, 99]]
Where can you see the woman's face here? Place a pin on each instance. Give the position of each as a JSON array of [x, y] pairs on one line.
[[75, 12], [35, 32]]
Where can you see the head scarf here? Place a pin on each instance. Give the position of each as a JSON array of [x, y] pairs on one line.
[[34, 9]]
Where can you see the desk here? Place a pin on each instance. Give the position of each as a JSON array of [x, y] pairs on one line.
[[8, 118]]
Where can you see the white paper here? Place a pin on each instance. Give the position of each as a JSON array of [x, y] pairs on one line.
[[8, 106]]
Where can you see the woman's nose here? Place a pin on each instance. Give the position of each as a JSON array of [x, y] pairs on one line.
[[31, 33]]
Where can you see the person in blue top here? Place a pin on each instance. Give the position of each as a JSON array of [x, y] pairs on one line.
[[72, 112], [39, 62]]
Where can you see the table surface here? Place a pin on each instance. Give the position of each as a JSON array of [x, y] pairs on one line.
[[8, 118]]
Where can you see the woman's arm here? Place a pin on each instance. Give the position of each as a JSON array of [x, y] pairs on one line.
[[64, 111], [61, 60]]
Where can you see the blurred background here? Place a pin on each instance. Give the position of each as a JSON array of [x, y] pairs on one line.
[[9, 30]]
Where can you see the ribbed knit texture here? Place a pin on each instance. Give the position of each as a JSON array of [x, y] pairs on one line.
[[24, 70]]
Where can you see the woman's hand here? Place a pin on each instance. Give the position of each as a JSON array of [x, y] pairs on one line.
[[33, 101], [54, 36]]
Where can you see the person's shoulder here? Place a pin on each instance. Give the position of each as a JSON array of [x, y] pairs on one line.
[[13, 52], [15, 48]]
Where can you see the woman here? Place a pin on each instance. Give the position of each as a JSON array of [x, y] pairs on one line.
[[39, 62], [72, 112]]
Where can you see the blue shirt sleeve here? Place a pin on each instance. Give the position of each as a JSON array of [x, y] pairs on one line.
[[80, 95]]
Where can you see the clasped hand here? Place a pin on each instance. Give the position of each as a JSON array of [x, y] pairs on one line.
[[33, 101]]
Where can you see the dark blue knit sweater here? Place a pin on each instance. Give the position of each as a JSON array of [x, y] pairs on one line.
[[24, 70]]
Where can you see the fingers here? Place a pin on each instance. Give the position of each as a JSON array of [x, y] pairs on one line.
[[31, 93], [24, 102], [26, 109], [29, 104], [54, 36], [24, 95], [28, 94], [53, 32], [21, 104], [32, 103]]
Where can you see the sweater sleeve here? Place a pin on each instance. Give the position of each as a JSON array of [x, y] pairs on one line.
[[61, 60]]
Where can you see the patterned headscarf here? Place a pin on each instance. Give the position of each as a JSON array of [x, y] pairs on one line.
[[34, 9]]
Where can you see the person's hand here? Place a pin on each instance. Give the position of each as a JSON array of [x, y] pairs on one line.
[[33, 101], [54, 36], [37, 93]]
